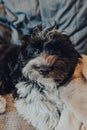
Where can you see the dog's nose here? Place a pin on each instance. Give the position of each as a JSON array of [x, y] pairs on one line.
[[44, 71]]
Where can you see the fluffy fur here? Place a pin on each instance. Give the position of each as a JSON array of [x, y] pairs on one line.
[[52, 63], [37, 105]]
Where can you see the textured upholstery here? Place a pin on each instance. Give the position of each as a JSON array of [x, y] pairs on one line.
[[10, 120]]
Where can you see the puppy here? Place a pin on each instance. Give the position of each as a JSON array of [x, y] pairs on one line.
[[53, 60], [11, 58]]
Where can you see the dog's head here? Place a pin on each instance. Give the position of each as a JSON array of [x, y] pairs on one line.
[[52, 58]]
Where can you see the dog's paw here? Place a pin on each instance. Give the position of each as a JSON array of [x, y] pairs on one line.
[[20, 90], [2, 104]]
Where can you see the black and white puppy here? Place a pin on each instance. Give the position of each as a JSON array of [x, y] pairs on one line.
[[52, 63]]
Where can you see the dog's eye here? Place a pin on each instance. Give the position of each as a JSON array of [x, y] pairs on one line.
[[36, 66]]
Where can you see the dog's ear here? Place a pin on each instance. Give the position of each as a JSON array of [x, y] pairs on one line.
[[60, 42], [57, 40]]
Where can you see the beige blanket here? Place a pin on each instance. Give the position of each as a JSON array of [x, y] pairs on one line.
[[10, 120]]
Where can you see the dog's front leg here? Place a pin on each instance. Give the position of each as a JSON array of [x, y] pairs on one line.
[[68, 121]]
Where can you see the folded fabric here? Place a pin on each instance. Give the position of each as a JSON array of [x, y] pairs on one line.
[[70, 16]]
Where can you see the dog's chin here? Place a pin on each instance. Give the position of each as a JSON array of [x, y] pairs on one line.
[[48, 82], [45, 80]]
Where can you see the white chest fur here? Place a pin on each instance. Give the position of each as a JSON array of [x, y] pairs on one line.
[[40, 109]]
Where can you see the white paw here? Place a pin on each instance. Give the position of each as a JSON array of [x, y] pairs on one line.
[[2, 104], [21, 89]]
